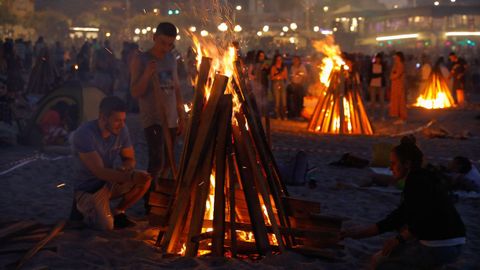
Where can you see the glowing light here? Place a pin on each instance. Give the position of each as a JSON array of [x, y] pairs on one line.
[[406, 36], [178, 37], [238, 7], [259, 33], [222, 27], [436, 3], [266, 28], [149, 28], [154, 30], [285, 29], [453, 34], [395, 6], [237, 28], [61, 185], [85, 29], [155, 10], [282, 34], [293, 26], [144, 31], [316, 29], [292, 40], [204, 33], [192, 29], [76, 67], [325, 8], [436, 94], [327, 32], [108, 34], [137, 31]]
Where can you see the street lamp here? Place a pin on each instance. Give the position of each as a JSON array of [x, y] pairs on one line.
[[436, 3], [316, 29], [238, 7], [237, 28], [293, 26], [266, 28], [108, 34], [222, 27], [285, 29], [137, 31], [325, 8]]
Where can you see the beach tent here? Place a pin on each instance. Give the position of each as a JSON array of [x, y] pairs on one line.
[[83, 106]]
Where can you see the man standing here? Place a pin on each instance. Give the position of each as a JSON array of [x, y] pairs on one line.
[[154, 82], [457, 73], [298, 73], [96, 146]]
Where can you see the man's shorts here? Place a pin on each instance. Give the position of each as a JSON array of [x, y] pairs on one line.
[[95, 207]]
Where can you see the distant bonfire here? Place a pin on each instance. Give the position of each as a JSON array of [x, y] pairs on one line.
[[341, 111], [436, 94]]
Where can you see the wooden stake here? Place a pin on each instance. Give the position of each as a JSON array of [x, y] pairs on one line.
[[198, 211], [251, 194], [41, 244], [197, 108], [233, 179], [223, 134], [205, 131]]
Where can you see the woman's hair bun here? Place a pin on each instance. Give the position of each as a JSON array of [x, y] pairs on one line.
[[408, 140]]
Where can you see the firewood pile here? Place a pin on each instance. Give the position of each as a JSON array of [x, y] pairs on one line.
[[228, 198]]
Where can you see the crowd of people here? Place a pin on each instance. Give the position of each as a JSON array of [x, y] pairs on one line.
[[431, 231]]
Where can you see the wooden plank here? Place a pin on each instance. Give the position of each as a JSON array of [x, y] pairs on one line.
[[260, 180], [251, 194], [277, 186], [297, 207], [232, 181], [171, 237], [16, 227], [55, 231], [165, 128], [223, 135], [197, 108]]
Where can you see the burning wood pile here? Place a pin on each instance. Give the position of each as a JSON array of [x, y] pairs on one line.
[[436, 94], [340, 110], [228, 199]]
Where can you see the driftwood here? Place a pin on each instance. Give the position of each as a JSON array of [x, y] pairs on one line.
[[15, 228], [54, 232]]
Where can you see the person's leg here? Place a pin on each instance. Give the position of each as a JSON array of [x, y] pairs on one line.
[[283, 100], [154, 138], [95, 208], [277, 96], [381, 101], [166, 169], [130, 194]]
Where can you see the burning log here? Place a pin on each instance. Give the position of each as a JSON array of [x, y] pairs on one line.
[[245, 195], [341, 111]]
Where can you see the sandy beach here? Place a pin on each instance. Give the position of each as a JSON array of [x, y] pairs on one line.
[[42, 191]]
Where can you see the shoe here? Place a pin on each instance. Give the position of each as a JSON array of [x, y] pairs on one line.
[[121, 221]]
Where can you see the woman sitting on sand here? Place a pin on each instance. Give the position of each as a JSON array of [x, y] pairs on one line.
[[430, 231]]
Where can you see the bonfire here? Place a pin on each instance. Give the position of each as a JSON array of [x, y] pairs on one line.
[[436, 94], [340, 109]]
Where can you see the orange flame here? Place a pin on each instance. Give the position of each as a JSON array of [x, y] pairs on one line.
[[332, 60], [436, 94]]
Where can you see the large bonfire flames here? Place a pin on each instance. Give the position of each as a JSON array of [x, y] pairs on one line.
[[340, 110], [223, 61], [436, 94]]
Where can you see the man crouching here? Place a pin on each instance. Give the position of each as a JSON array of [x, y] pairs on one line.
[[96, 146]]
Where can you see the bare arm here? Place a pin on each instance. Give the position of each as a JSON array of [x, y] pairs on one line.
[[360, 232], [128, 158], [140, 77], [94, 164]]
